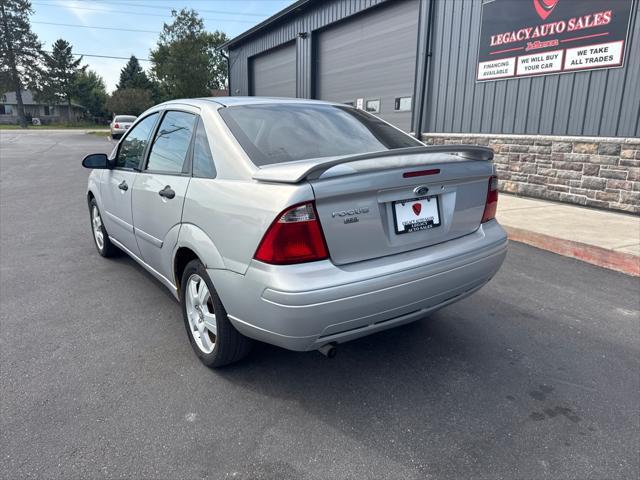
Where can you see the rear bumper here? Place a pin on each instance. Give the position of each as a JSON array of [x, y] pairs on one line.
[[302, 307]]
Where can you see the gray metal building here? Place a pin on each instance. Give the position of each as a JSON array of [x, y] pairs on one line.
[[341, 50], [415, 63]]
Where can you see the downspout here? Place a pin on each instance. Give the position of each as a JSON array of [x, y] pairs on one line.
[[226, 57], [420, 99]]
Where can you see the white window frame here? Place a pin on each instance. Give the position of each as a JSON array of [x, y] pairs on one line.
[[398, 102], [366, 105]]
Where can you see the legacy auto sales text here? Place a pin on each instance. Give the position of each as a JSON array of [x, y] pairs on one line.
[[553, 28]]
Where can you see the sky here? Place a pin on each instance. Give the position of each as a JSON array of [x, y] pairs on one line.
[[80, 17]]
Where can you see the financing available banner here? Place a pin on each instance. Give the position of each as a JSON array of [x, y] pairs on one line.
[[521, 38]]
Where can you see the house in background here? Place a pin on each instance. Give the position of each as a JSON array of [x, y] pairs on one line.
[[45, 112]]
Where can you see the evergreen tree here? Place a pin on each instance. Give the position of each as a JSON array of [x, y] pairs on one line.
[[133, 76], [20, 50], [59, 75]]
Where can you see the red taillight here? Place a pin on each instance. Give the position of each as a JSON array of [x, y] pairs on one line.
[[491, 205], [294, 237], [117, 125]]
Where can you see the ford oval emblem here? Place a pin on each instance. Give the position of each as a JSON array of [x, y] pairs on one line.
[[420, 191]]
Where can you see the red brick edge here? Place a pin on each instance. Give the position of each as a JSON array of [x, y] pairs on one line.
[[619, 261]]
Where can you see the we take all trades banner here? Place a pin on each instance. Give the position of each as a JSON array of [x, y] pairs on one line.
[[521, 38]]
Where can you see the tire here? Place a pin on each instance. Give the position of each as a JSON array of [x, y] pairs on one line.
[[100, 235], [114, 136], [202, 310]]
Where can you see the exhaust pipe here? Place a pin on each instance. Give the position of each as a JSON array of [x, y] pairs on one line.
[[329, 350]]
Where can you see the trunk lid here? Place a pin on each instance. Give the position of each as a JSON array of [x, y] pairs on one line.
[[375, 205]]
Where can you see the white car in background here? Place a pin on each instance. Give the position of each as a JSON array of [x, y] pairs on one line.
[[121, 124]]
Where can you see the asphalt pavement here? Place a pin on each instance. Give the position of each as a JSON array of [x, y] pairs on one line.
[[535, 377]]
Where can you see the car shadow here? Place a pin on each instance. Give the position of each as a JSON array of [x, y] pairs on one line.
[[125, 260], [391, 391], [453, 389]]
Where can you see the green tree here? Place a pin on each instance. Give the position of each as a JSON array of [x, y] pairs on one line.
[[129, 101], [6, 82], [218, 73], [59, 75], [186, 61], [20, 50], [90, 92], [133, 76]]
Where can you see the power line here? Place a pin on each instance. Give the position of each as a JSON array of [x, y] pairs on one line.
[[160, 7], [101, 28], [106, 10], [102, 56], [117, 12]]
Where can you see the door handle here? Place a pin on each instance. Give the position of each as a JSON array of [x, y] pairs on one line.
[[167, 192], [123, 186]]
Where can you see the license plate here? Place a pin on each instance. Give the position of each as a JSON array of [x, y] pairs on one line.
[[416, 214], [126, 127]]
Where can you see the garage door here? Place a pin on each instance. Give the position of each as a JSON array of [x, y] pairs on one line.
[[371, 57], [273, 74]]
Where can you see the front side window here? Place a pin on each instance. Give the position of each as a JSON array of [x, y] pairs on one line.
[[202, 159], [133, 145], [274, 133], [171, 143]]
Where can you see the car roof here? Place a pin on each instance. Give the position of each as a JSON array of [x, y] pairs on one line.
[[232, 101]]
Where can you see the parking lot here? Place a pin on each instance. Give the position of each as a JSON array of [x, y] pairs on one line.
[[535, 376]]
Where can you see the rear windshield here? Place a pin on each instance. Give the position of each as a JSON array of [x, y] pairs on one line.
[[125, 118], [275, 133]]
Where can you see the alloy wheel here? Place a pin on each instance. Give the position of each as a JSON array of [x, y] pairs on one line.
[[96, 221], [202, 318]]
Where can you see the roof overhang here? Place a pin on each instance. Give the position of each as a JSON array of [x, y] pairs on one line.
[[290, 10]]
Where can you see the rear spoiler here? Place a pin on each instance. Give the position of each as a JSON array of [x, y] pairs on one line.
[[294, 172]]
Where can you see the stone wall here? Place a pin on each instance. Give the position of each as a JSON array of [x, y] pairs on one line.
[[591, 171]]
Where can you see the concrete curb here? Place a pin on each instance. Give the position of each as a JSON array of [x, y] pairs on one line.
[[602, 257], [34, 131]]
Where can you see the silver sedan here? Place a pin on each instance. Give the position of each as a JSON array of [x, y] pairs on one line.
[[299, 223], [120, 125]]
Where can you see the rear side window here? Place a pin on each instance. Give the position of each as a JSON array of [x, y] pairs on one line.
[[203, 165], [275, 133], [171, 143], [133, 145]]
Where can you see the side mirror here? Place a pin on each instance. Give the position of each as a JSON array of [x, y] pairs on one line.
[[96, 160]]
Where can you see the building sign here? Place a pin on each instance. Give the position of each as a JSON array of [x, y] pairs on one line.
[[520, 38]]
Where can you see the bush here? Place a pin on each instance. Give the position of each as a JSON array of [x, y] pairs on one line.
[[129, 101]]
